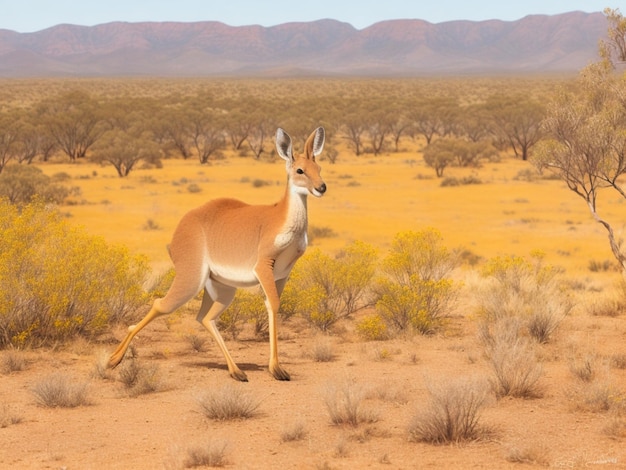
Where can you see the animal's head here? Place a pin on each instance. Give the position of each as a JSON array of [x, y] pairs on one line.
[[303, 171]]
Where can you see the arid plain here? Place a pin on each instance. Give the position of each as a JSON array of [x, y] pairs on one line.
[[513, 211]]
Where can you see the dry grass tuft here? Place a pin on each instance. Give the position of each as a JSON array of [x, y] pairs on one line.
[[140, 379], [616, 427], [513, 360], [323, 350], [344, 402], [101, 368], [197, 343], [211, 454], [584, 368], [12, 360], [8, 416], [296, 431], [599, 396], [453, 414], [532, 455], [61, 391], [228, 402]]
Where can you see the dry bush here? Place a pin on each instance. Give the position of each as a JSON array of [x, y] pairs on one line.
[[616, 427], [532, 455], [8, 416], [453, 414], [598, 397], [322, 350], [584, 367], [527, 290], [295, 431], [516, 369], [618, 361], [211, 454], [101, 368], [196, 342], [140, 379], [12, 361], [344, 402], [228, 403], [62, 391]]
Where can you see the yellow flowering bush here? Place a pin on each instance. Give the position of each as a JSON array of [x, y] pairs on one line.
[[325, 289], [372, 328], [56, 281], [415, 294]]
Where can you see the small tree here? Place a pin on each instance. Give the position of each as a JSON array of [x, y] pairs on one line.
[[124, 148], [586, 144]]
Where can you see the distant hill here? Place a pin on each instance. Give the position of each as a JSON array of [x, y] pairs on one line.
[[537, 43]]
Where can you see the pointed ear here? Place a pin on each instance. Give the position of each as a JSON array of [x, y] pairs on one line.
[[315, 143], [283, 145]]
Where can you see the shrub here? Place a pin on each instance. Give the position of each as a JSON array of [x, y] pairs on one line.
[[8, 416], [325, 289], [323, 350], [208, 455], [344, 403], [516, 370], [372, 328], [21, 184], [56, 281], [139, 379], [417, 306], [527, 290], [12, 361], [415, 294], [228, 403], [60, 390], [296, 431], [453, 414]]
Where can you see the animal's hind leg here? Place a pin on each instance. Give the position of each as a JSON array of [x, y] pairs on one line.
[[118, 354], [183, 289], [213, 304]]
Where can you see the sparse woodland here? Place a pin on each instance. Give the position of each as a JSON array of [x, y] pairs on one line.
[[400, 341]]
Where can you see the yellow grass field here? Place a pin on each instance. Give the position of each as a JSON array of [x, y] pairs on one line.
[[369, 199]]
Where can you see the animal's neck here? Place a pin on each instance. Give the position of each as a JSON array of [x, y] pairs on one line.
[[295, 207]]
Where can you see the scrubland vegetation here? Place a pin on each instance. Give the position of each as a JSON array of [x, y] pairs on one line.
[[482, 309]]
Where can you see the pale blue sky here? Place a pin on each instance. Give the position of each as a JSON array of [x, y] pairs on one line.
[[34, 15]]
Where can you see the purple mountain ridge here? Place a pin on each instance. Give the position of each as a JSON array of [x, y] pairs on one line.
[[534, 44]]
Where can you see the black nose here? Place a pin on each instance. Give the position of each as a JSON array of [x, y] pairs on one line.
[[322, 188]]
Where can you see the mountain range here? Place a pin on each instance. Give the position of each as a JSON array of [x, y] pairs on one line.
[[407, 47]]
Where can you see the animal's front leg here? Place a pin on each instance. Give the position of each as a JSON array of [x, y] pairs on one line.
[[272, 289]]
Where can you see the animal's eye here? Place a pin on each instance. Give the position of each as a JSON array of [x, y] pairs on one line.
[[300, 171]]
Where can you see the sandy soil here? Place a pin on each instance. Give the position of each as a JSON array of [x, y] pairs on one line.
[[156, 430]]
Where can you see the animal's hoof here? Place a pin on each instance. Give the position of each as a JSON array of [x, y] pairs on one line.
[[239, 375], [280, 374], [113, 362]]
